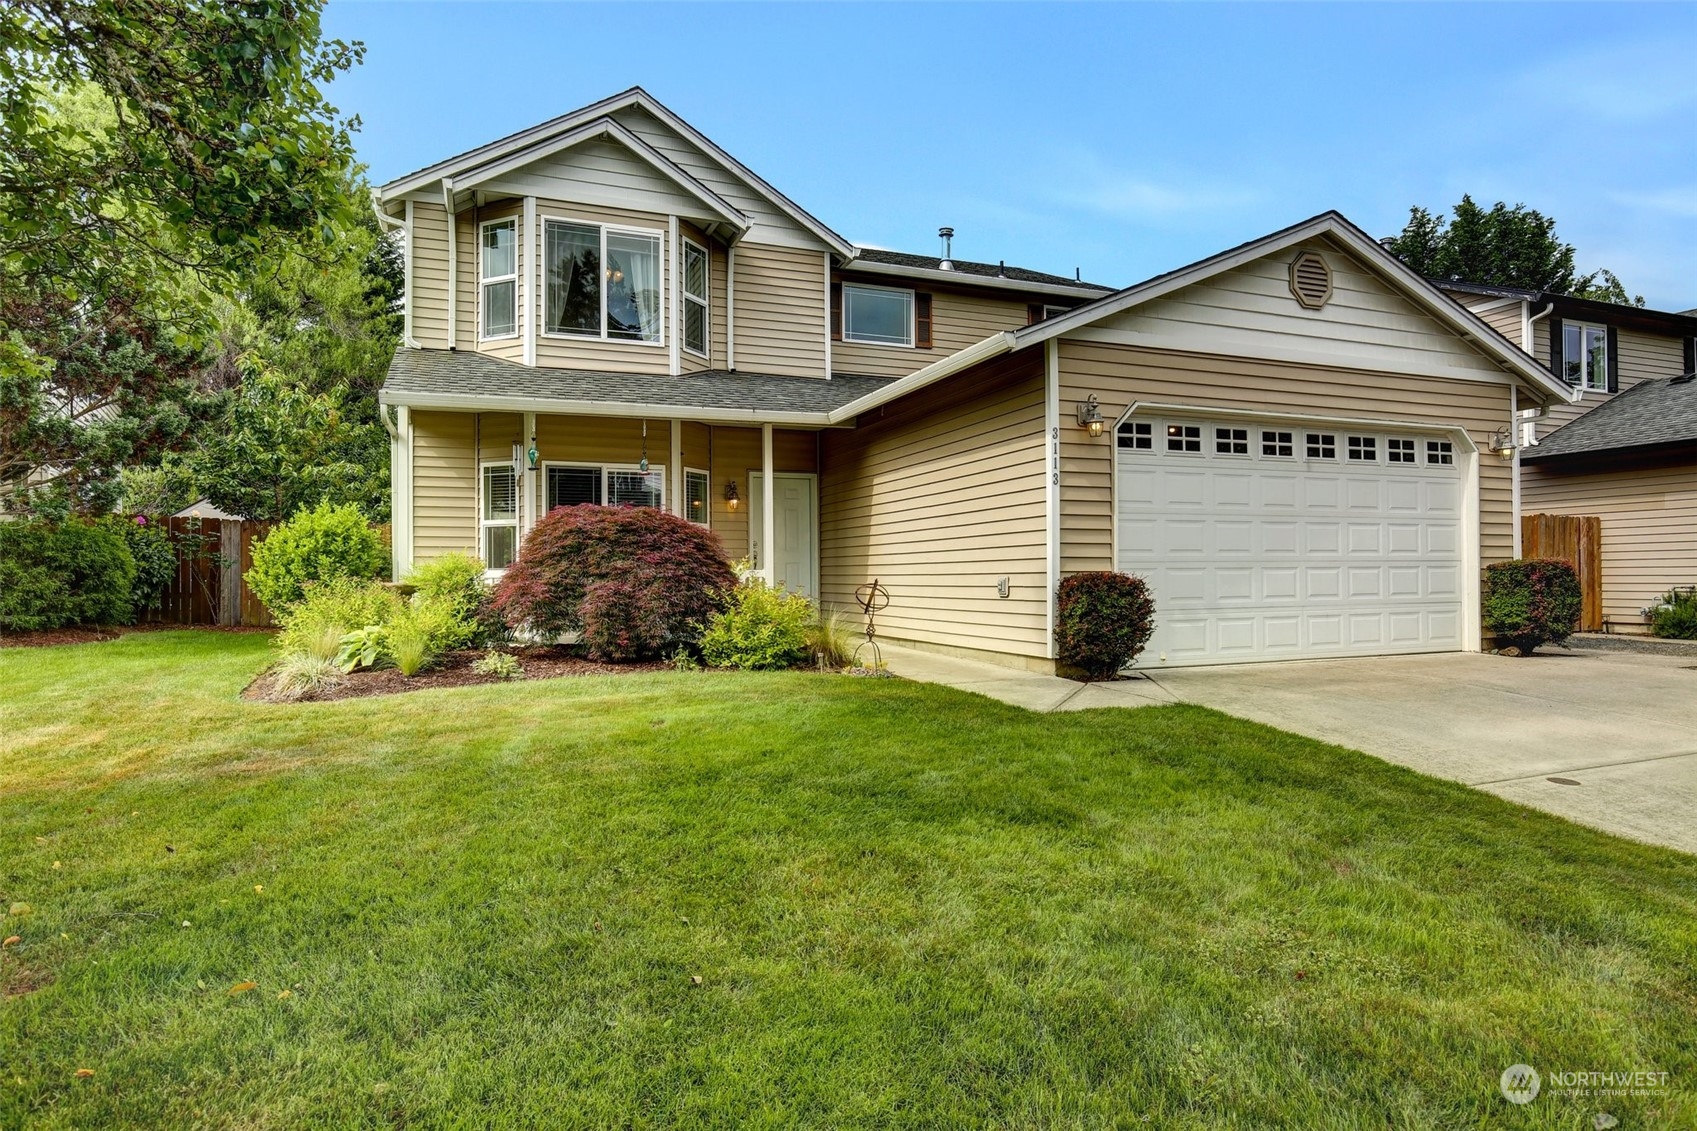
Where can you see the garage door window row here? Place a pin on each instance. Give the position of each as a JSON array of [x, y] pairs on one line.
[[1279, 444]]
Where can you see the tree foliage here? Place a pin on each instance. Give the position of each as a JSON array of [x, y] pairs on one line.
[[283, 448], [1499, 246]]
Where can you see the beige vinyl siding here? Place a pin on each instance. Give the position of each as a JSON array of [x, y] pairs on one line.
[[938, 495], [1119, 375], [780, 310], [470, 312], [566, 352], [600, 173], [958, 320], [1649, 522], [444, 484], [715, 359], [1249, 311], [735, 454], [1504, 319], [429, 275]]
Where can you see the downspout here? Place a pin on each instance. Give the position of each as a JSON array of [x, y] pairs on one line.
[[731, 308], [453, 264], [1526, 339], [390, 224], [1514, 466]]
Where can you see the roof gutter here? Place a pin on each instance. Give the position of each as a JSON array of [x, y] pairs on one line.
[[466, 402], [961, 278], [993, 346]]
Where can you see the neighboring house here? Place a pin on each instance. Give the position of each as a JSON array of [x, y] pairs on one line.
[[1637, 475], [1291, 440]]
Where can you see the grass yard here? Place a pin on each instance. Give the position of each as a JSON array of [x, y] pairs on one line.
[[907, 907]]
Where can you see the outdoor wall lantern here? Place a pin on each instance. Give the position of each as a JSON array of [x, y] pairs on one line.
[[1090, 415], [732, 499], [1502, 442]]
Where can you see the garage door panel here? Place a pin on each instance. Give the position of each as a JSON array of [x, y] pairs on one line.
[[1264, 557]]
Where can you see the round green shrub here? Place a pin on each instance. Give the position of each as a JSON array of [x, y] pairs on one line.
[[1528, 602], [760, 628], [56, 574], [322, 544], [1102, 622], [453, 589], [670, 569], [1676, 617]]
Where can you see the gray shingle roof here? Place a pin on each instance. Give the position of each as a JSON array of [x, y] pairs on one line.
[[453, 374], [1650, 414], [964, 267]]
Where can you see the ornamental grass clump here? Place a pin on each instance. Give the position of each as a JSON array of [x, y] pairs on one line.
[[634, 581], [1102, 622], [1528, 602]]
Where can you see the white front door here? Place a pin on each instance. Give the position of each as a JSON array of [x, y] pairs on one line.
[[796, 561], [1268, 540]]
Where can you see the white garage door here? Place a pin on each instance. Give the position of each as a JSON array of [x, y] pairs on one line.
[[1283, 540]]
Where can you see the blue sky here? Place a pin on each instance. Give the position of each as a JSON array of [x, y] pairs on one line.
[[1123, 140]]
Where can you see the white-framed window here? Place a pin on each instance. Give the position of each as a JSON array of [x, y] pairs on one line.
[[499, 515], [498, 278], [695, 283], [1278, 445], [879, 315], [1184, 437], [1138, 435], [1399, 451], [613, 485], [1364, 449], [1585, 355], [601, 281], [1440, 453], [697, 508], [1321, 445], [1231, 441]]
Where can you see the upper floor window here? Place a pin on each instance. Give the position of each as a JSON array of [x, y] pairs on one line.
[[1585, 355], [695, 298], [601, 282], [881, 315], [499, 274]]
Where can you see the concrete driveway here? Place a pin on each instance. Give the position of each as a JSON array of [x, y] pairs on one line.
[[1622, 726]]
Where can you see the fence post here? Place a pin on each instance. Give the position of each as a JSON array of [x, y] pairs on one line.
[[230, 587]]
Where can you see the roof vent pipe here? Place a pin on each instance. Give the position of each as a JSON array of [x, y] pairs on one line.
[[947, 235], [1078, 274], [1001, 268]]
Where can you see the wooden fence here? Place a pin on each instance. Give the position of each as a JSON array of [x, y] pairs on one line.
[[213, 557], [1578, 541]]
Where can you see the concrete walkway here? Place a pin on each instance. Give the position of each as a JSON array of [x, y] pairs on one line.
[[1605, 738]]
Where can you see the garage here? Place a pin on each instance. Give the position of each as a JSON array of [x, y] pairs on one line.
[[1278, 539]]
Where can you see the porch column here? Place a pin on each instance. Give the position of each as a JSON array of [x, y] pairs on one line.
[[529, 510], [768, 519], [676, 488]]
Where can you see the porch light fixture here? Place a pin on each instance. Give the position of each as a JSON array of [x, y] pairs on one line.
[[732, 499], [1502, 442], [1090, 415]]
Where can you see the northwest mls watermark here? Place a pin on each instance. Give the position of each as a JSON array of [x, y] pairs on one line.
[[1521, 1084]]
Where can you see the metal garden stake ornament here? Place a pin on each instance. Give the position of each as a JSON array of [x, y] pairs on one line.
[[873, 599]]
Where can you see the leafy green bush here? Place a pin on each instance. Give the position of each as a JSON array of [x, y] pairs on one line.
[[453, 587], [1102, 622], [54, 574], [1528, 602], [364, 647], [156, 561], [334, 609], [316, 545], [503, 665], [1676, 619], [760, 628]]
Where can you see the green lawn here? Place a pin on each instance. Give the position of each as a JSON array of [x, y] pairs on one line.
[[907, 906]]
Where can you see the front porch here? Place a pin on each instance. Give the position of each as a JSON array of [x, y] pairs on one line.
[[477, 482]]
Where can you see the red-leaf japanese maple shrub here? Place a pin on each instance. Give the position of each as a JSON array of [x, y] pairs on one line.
[[1531, 601], [1102, 622], [635, 581]]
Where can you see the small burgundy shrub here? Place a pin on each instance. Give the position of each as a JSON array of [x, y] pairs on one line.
[[1102, 622], [668, 571], [1533, 601]]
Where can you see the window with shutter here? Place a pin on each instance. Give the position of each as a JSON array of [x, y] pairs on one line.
[[922, 321], [836, 312]]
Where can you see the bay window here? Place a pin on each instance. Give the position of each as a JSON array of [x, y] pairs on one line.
[[570, 485], [498, 275], [695, 298], [601, 282]]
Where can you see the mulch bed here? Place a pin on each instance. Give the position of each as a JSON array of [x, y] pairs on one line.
[[454, 670], [51, 637]]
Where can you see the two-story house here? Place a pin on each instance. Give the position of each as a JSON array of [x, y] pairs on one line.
[[1625, 450], [1291, 439]]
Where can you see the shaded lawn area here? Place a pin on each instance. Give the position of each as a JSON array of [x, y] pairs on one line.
[[908, 906]]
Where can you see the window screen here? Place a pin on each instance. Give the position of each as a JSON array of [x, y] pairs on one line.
[[573, 486]]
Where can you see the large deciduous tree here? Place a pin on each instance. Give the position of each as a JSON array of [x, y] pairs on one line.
[[1499, 246]]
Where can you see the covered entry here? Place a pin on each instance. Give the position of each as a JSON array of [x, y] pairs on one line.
[[1271, 539]]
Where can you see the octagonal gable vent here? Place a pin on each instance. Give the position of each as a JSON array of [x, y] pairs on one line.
[[1311, 280]]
